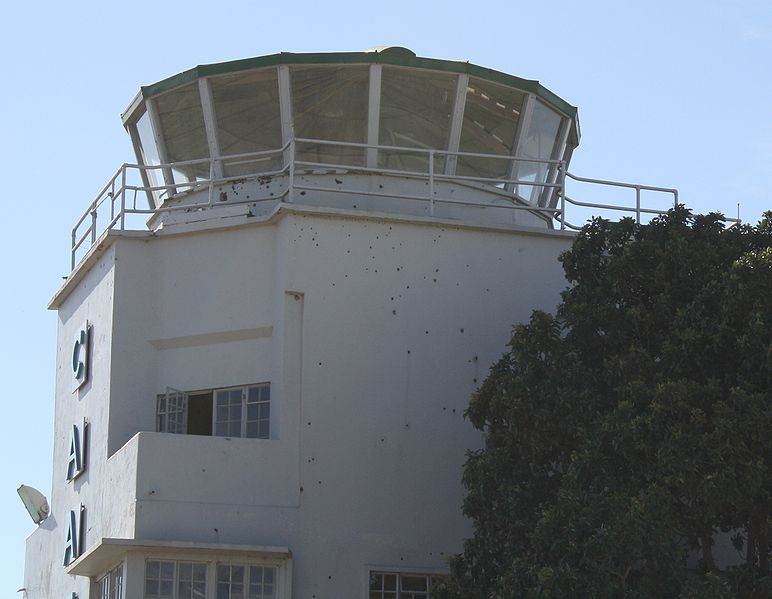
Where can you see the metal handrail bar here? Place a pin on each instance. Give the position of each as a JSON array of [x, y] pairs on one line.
[[327, 142], [419, 174], [622, 184], [116, 192], [613, 207]]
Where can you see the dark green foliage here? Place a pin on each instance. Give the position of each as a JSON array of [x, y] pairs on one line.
[[624, 433]]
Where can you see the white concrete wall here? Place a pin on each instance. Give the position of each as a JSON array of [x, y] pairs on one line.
[[44, 575], [373, 334]]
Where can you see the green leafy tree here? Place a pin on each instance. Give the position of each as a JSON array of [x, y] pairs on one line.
[[624, 433]]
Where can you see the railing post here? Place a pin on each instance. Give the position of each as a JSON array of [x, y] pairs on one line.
[[211, 181], [675, 198], [93, 223], [562, 188], [112, 199], [72, 250], [431, 182], [638, 204], [291, 182], [123, 197]]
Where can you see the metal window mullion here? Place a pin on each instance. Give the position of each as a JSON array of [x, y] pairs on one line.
[[456, 123], [523, 123], [547, 192], [374, 114], [244, 395], [210, 125], [285, 109], [160, 142]]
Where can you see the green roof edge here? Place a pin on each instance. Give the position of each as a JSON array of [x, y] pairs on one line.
[[393, 56]]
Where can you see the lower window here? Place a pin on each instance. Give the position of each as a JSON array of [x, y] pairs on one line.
[[398, 585], [174, 580], [111, 584], [168, 579], [245, 582]]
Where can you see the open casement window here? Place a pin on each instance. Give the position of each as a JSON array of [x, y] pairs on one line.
[[231, 412], [172, 412]]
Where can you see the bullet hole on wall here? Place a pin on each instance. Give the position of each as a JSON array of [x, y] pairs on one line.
[[475, 381], [223, 196], [462, 330], [301, 489], [394, 312], [302, 193]]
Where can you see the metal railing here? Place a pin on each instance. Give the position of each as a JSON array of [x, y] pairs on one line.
[[118, 199]]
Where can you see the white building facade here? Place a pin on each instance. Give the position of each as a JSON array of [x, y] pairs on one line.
[[260, 391]]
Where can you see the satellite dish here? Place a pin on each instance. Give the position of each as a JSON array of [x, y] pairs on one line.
[[35, 502]]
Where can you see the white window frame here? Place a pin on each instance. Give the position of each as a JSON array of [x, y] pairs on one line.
[[246, 579], [398, 592], [282, 573], [175, 402], [110, 586], [176, 576]]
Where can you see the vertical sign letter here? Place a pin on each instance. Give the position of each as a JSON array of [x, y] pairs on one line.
[[80, 357]]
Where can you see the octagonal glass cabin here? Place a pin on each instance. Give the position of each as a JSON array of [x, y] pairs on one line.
[[383, 130]]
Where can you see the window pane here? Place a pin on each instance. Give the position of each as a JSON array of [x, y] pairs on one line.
[[182, 122], [248, 119], [416, 109], [149, 152], [413, 583], [330, 103], [491, 115], [538, 143]]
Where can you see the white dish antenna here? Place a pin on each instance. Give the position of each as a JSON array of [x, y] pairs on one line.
[[35, 502]]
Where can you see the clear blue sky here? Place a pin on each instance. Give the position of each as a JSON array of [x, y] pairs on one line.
[[671, 93]]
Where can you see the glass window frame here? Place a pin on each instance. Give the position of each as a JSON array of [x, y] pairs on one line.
[[110, 585], [257, 395], [397, 590]]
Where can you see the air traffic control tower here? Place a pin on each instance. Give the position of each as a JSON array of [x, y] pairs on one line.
[[275, 318]]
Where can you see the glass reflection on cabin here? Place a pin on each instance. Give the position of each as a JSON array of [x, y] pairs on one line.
[[246, 107], [490, 122], [416, 108], [539, 143], [182, 123], [330, 103], [149, 151]]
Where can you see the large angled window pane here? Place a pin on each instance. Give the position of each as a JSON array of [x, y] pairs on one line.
[[149, 153], [330, 103], [538, 144], [416, 109], [248, 120], [182, 123], [490, 120]]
